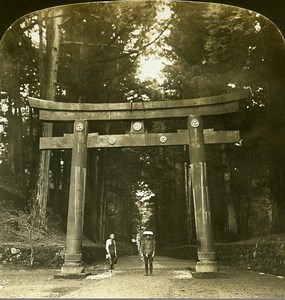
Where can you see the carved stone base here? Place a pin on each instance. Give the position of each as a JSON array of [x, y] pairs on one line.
[[71, 275], [207, 266], [206, 275], [72, 267], [72, 270], [207, 262]]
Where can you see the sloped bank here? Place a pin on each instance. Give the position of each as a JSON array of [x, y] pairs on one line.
[[267, 257], [52, 255]]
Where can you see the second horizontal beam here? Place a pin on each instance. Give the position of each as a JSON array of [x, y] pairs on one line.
[[139, 140]]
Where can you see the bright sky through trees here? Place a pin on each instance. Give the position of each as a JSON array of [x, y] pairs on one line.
[[152, 63], [151, 68]]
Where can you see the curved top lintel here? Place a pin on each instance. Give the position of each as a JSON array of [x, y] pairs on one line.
[[136, 106]]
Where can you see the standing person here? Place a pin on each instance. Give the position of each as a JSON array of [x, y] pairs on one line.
[[147, 251], [111, 250]]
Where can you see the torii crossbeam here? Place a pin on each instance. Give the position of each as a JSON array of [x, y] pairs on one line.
[[195, 136]]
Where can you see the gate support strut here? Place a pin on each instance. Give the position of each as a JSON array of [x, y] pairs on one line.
[[73, 252], [206, 253]]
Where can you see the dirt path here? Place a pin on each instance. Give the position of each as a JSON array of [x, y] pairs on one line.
[[172, 279]]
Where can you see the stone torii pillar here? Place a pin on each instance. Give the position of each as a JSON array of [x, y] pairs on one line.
[[205, 242], [73, 247]]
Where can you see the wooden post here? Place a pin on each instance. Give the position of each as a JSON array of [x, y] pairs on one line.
[[73, 252], [206, 253]]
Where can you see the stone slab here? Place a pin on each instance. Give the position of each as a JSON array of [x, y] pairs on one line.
[[208, 275], [71, 276]]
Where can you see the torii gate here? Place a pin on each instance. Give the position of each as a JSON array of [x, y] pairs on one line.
[[195, 136]]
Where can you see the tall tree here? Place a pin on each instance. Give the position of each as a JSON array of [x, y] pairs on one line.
[[49, 83]]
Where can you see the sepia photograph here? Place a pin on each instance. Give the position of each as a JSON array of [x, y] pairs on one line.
[[142, 149]]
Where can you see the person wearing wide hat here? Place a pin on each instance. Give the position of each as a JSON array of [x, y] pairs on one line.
[[147, 251]]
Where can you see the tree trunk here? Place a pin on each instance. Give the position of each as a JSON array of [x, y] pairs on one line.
[[15, 143], [14, 119], [65, 187], [102, 198], [91, 213], [56, 178], [275, 138], [180, 202], [53, 42], [1, 67], [232, 229]]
